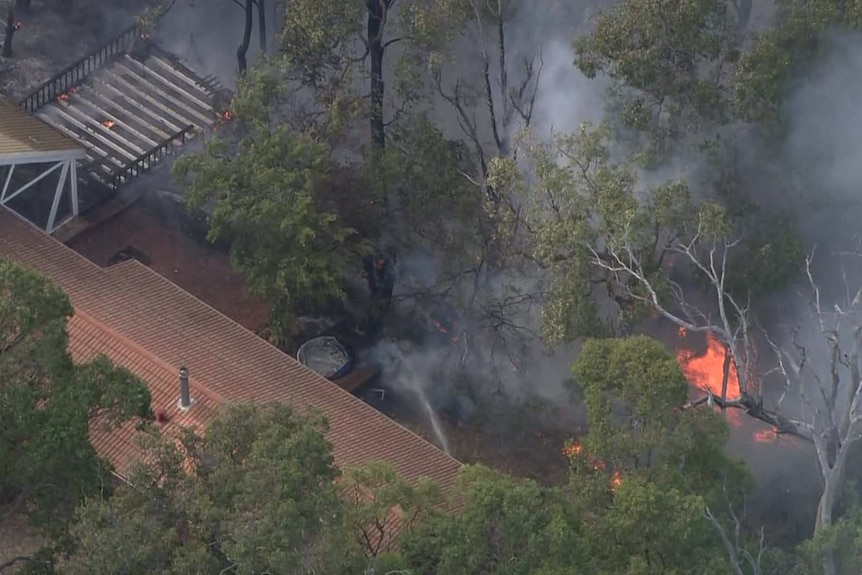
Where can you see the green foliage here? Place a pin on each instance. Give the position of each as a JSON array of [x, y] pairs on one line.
[[256, 494], [507, 526], [780, 54], [843, 539], [650, 529], [418, 175], [433, 25], [499, 529], [664, 56], [47, 404], [582, 208], [258, 93], [150, 16], [373, 492], [319, 38], [640, 374], [634, 392], [285, 241], [773, 261], [668, 463]]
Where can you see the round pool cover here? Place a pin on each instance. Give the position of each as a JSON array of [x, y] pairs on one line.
[[326, 356]]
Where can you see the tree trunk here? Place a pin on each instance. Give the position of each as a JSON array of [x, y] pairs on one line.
[[743, 15], [833, 483], [375, 52], [242, 63], [261, 24], [10, 32]]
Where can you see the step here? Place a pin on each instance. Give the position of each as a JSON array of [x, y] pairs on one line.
[[169, 124], [174, 87], [95, 130], [121, 142], [142, 131], [148, 124], [189, 85], [137, 80], [122, 84], [48, 114], [209, 83], [106, 167]]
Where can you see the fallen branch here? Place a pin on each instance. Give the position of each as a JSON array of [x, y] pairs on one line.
[[754, 408], [12, 562]]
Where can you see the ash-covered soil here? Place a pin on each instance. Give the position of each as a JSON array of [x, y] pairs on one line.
[[49, 40], [17, 539]]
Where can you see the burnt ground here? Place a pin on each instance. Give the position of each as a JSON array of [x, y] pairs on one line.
[[17, 539], [48, 40]]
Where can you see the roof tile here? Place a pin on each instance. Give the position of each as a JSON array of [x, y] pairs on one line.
[[21, 133], [147, 324]]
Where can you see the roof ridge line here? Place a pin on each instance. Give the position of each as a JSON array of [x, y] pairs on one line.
[[133, 263], [160, 363]]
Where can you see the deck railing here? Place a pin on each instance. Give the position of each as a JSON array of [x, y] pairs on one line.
[[74, 75], [149, 159]]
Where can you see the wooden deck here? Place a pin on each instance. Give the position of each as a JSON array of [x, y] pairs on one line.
[[356, 379]]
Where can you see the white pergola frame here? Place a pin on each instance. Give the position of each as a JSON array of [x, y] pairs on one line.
[[65, 161]]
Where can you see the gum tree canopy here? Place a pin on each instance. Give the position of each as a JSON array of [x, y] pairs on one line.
[[47, 464]]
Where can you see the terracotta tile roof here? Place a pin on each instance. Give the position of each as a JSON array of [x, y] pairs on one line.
[[23, 134], [89, 338], [156, 327]]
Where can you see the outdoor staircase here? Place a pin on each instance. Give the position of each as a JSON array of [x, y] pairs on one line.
[[130, 104]]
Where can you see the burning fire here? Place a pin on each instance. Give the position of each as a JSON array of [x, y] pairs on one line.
[[108, 123], [454, 337], [65, 95], [439, 326], [576, 450], [227, 115], [706, 371], [17, 25]]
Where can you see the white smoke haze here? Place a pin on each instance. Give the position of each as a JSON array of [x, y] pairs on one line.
[[566, 98], [813, 173], [824, 147], [816, 172], [514, 367], [205, 34]]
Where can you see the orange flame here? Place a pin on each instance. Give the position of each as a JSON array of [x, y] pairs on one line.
[[766, 436], [439, 326], [108, 123], [17, 25], [227, 115], [706, 371], [576, 450], [65, 95]]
